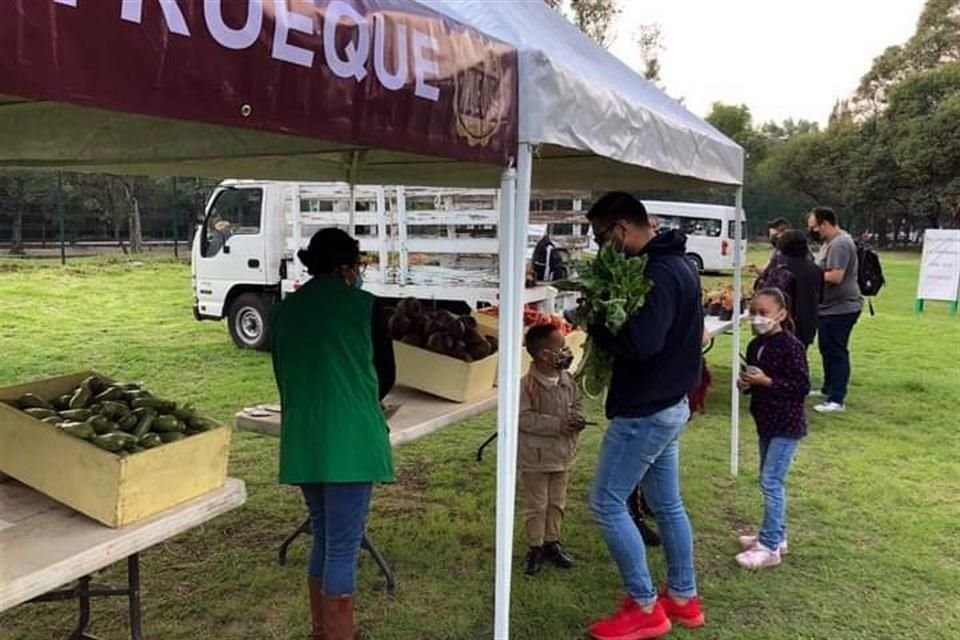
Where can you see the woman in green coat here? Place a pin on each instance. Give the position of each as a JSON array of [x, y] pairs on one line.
[[333, 361]]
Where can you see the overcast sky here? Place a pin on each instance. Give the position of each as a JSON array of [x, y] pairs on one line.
[[782, 58]]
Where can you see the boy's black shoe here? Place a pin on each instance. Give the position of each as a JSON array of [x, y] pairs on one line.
[[555, 552], [534, 562], [650, 537]]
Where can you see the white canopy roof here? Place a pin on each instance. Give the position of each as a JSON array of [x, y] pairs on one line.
[[576, 96]]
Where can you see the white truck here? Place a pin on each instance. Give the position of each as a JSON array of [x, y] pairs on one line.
[[429, 243], [435, 244]]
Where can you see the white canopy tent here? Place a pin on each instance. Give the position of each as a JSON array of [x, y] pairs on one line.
[[583, 120]]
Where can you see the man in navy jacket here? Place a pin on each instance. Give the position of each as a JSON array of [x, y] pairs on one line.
[[657, 362]]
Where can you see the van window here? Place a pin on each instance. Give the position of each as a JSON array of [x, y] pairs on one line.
[[706, 227], [234, 212]]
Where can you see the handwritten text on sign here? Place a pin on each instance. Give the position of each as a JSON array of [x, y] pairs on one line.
[[940, 265]]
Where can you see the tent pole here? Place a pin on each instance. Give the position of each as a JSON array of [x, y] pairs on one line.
[[352, 179], [735, 362], [514, 213]]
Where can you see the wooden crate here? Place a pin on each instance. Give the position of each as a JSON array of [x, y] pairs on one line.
[[442, 375], [116, 491]]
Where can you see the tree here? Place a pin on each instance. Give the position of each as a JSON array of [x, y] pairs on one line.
[[936, 41], [131, 188], [23, 192], [593, 17], [736, 122], [649, 39], [921, 129]]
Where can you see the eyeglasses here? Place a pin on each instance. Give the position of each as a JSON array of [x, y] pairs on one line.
[[601, 238]]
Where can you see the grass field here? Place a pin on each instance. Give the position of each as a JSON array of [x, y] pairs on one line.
[[874, 512]]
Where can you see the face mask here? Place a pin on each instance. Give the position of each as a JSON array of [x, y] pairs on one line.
[[563, 359], [815, 235], [773, 241], [762, 325], [358, 281]]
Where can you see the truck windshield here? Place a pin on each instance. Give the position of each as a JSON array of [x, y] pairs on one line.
[[234, 212]]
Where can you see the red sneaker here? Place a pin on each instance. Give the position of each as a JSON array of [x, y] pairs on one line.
[[689, 615], [631, 622]]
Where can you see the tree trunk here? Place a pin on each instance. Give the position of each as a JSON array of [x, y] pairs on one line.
[[16, 234], [116, 236], [133, 213], [114, 221], [136, 232]]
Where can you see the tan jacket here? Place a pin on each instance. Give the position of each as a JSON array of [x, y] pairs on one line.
[[544, 446]]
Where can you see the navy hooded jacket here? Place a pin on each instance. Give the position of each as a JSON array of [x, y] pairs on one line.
[[658, 352]]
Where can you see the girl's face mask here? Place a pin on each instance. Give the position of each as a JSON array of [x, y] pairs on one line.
[[762, 325]]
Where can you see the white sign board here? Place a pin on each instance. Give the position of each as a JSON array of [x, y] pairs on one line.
[[940, 265]]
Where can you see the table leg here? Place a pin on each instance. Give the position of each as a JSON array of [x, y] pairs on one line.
[[304, 528], [133, 586], [83, 598], [381, 562], [484, 446]]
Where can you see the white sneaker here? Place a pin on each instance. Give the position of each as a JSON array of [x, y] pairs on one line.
[[830, 407], [758, 558], [750, 542]]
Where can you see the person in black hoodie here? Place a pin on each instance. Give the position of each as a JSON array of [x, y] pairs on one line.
[[805, 288], [657, 362]]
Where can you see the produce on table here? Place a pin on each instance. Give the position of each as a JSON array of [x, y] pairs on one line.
[[122, 418], [440, 331], [533, 318], [719, 302], [612, 287]]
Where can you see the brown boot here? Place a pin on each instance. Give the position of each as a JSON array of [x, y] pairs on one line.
[[316, 609], [338, 617]]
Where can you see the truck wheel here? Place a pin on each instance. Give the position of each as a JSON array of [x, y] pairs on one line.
[[696, 262], [248, 320]]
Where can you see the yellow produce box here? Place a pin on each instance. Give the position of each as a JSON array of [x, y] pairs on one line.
[[116, 491], [442, 375]]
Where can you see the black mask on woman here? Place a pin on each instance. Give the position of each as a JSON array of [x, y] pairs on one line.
[[815, 235]]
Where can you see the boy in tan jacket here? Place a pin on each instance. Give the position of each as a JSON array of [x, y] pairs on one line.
[[551, 419]]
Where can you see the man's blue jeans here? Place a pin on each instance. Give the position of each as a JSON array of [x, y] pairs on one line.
[[776, 455], [833, 338], [338, 513], [645, 451]]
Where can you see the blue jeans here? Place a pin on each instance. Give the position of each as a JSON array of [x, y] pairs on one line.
[[776, 455], [645, 451], [338, 513], [833, 338]]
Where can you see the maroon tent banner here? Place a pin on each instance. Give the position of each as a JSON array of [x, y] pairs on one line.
[[388, 74]]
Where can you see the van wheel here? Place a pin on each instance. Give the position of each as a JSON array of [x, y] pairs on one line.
[[696, 262], [248, 321]]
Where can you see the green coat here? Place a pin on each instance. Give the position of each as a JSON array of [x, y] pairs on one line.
[[333, 429]]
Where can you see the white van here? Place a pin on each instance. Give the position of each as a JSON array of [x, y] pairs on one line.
[[709, 229]]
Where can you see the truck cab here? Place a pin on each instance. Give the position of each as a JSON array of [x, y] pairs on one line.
[[237, 254]]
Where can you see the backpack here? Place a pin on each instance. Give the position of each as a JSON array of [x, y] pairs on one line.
[[870, 271]]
